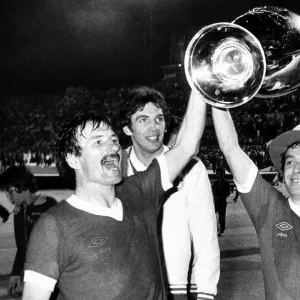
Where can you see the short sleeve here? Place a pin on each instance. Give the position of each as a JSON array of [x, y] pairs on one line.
[[43, 252], [247, 186]]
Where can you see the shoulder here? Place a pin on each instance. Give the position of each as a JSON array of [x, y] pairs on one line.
[[195, 167], [55, 214], [51, 201], [55, 209]]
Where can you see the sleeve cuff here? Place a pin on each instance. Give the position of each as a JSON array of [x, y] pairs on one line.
[[204, 296], [39, 279], [247, 186], [164, 172]]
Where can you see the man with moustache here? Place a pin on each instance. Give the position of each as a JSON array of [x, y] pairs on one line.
[[101, 243]]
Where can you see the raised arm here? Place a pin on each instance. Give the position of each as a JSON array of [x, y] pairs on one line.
[[236, 158], [188, 139]]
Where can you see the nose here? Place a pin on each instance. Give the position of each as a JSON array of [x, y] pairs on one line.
[[153, 125], [114, 147], [297, 167]]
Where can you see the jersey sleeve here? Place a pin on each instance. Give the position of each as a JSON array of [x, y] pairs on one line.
[[43, 251], [257, 201]]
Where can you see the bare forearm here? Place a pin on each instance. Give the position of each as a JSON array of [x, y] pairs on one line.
[[225, 130], [236, 158], [188, 140], [193, 123]]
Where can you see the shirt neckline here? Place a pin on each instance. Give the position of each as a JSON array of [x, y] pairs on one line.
[[115, 211], [137, 163]]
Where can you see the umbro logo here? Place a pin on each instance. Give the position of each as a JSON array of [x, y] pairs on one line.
[[283, 226], [97, 242], [282, 234]]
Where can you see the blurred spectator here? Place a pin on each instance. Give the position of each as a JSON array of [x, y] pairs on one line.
[[31, 123], [21, 189], [221, 190]]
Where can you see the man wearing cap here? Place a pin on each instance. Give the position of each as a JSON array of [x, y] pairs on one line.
[[276, 219]]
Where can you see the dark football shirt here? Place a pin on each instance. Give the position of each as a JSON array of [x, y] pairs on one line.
[[98, 257]]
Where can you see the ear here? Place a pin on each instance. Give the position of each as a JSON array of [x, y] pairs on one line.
[[73, 161], [127, 131]]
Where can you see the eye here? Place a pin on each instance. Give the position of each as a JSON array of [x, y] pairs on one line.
[[160, 119], [289, 162], [98, 142], [115, 141], [142, 120]]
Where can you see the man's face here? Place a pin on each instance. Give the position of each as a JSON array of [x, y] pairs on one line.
[[147, 129], [99, 159], [291, 174], [16, 195]]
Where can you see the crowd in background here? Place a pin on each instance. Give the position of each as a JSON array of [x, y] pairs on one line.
[[28, 125]]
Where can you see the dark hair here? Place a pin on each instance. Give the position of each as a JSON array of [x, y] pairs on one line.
[[283, 154], [67, 139], [137, 99], [20, 177]]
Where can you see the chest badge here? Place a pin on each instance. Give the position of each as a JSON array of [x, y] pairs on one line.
[[98, 242], [283, 226]]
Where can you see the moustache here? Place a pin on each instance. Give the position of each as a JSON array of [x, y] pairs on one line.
[[110, 156]]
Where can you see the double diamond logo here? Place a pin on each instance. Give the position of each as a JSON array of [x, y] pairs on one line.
[[98, 242], [283, 226]]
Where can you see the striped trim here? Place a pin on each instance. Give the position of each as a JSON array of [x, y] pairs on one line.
[[178, 289], [193, 288], [204, 296], [181, 289]]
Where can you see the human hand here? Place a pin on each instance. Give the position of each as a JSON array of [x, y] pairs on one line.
[[14, 286]]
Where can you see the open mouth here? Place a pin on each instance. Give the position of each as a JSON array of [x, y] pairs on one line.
[[153, 138], [111, 161]]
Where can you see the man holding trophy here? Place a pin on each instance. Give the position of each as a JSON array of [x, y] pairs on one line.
[[237, 68]]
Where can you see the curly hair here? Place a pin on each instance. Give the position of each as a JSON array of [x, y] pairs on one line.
[[283, 154], [137, 99], [20, 177], [67, 139]]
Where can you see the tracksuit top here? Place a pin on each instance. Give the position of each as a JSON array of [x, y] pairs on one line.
[[188, 231]]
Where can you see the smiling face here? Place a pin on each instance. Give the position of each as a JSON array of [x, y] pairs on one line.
[[99, 158], [147, 130], [291, 175]]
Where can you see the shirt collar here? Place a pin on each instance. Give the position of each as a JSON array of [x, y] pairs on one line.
[[137, 163], [115, 211]]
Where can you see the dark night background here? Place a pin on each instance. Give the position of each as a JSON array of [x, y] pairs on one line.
[[48, 45]]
